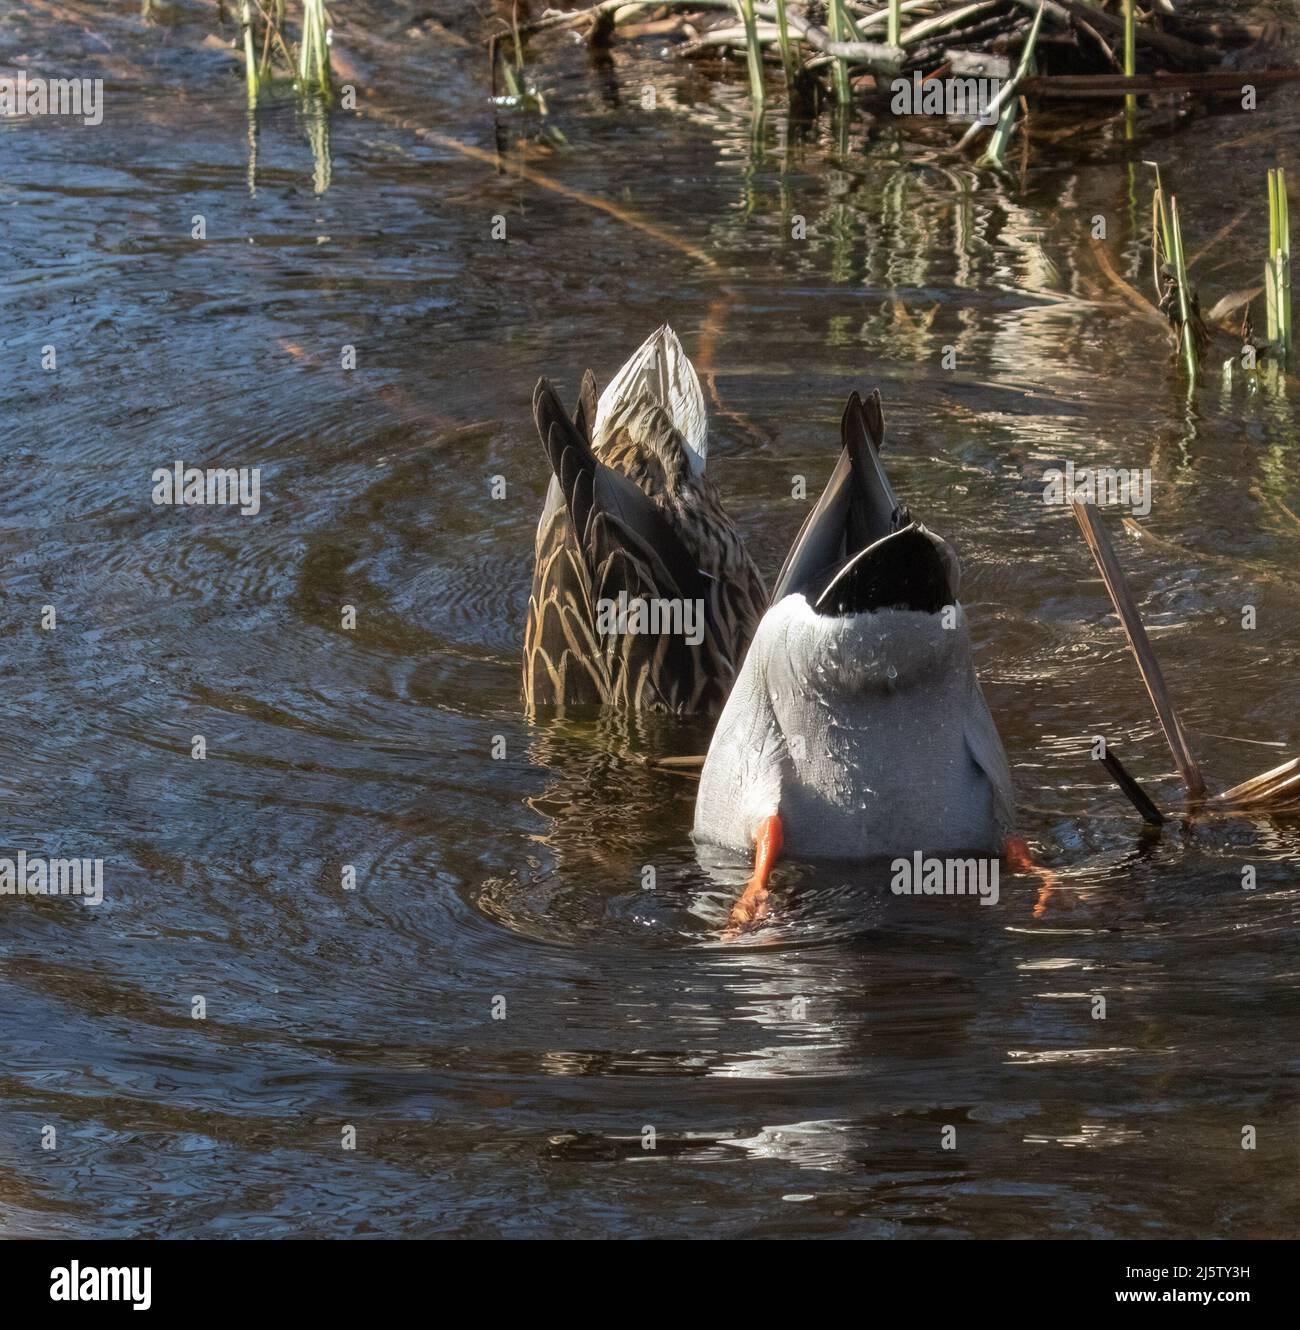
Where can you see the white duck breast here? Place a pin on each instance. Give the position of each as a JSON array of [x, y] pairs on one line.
[[857, 717]]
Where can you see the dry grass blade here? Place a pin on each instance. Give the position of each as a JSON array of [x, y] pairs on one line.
[[1112, 575], [1281, 785]]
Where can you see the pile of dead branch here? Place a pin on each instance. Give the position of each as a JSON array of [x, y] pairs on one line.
[[1086, 48]]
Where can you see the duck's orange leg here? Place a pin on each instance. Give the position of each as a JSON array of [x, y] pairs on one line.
[[1021, 858], [752, 905]]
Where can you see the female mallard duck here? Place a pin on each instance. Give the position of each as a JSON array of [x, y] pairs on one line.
[[857, 727], [643, 594]]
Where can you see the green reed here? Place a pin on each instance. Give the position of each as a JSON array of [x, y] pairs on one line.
[[1130, 58], [783, 40], [313, 50], [1277, 267], [840, 27], [998, 140], [753, 53], [1167, 244], [1187, 333]]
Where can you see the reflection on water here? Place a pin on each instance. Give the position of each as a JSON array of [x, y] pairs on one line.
[[826, 1060]]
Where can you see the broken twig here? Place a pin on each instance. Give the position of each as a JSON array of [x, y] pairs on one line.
[[1148, 666]]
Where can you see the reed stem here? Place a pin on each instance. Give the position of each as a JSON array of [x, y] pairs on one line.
[[314, 51], [839, 29], [787, 51], [1187, 335], [753, 53], [1277, 269], [1130, 55], [1283, 262], [250, 56], [1007, 117], [1167, 243]]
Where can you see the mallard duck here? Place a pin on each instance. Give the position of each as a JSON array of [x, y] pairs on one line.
[[856, 727], [643, 593]]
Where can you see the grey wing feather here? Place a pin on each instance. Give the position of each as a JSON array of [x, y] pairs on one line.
[[985, 747]]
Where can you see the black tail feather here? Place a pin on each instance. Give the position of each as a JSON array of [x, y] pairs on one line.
[[903, 572]]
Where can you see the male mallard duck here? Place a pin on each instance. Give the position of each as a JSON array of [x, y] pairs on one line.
[[643, 594], [857, 727]]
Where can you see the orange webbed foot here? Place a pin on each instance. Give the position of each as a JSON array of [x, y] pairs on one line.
[[752, 906], [1021, 859]]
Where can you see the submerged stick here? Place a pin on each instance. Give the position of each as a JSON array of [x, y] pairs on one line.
[[690, 767], [1137, 796], [1153, 677]]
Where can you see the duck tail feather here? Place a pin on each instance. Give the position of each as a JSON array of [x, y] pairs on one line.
[[556, 431], [584, 416], [874, 417], [874, 511], [660, 370], [607, 510]]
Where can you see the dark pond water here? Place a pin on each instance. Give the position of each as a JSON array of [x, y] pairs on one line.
[[797, 1083]]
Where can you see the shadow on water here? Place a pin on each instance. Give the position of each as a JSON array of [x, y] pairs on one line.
[[528, 974]]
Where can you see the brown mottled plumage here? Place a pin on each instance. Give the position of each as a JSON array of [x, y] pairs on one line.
[[630, 510]]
